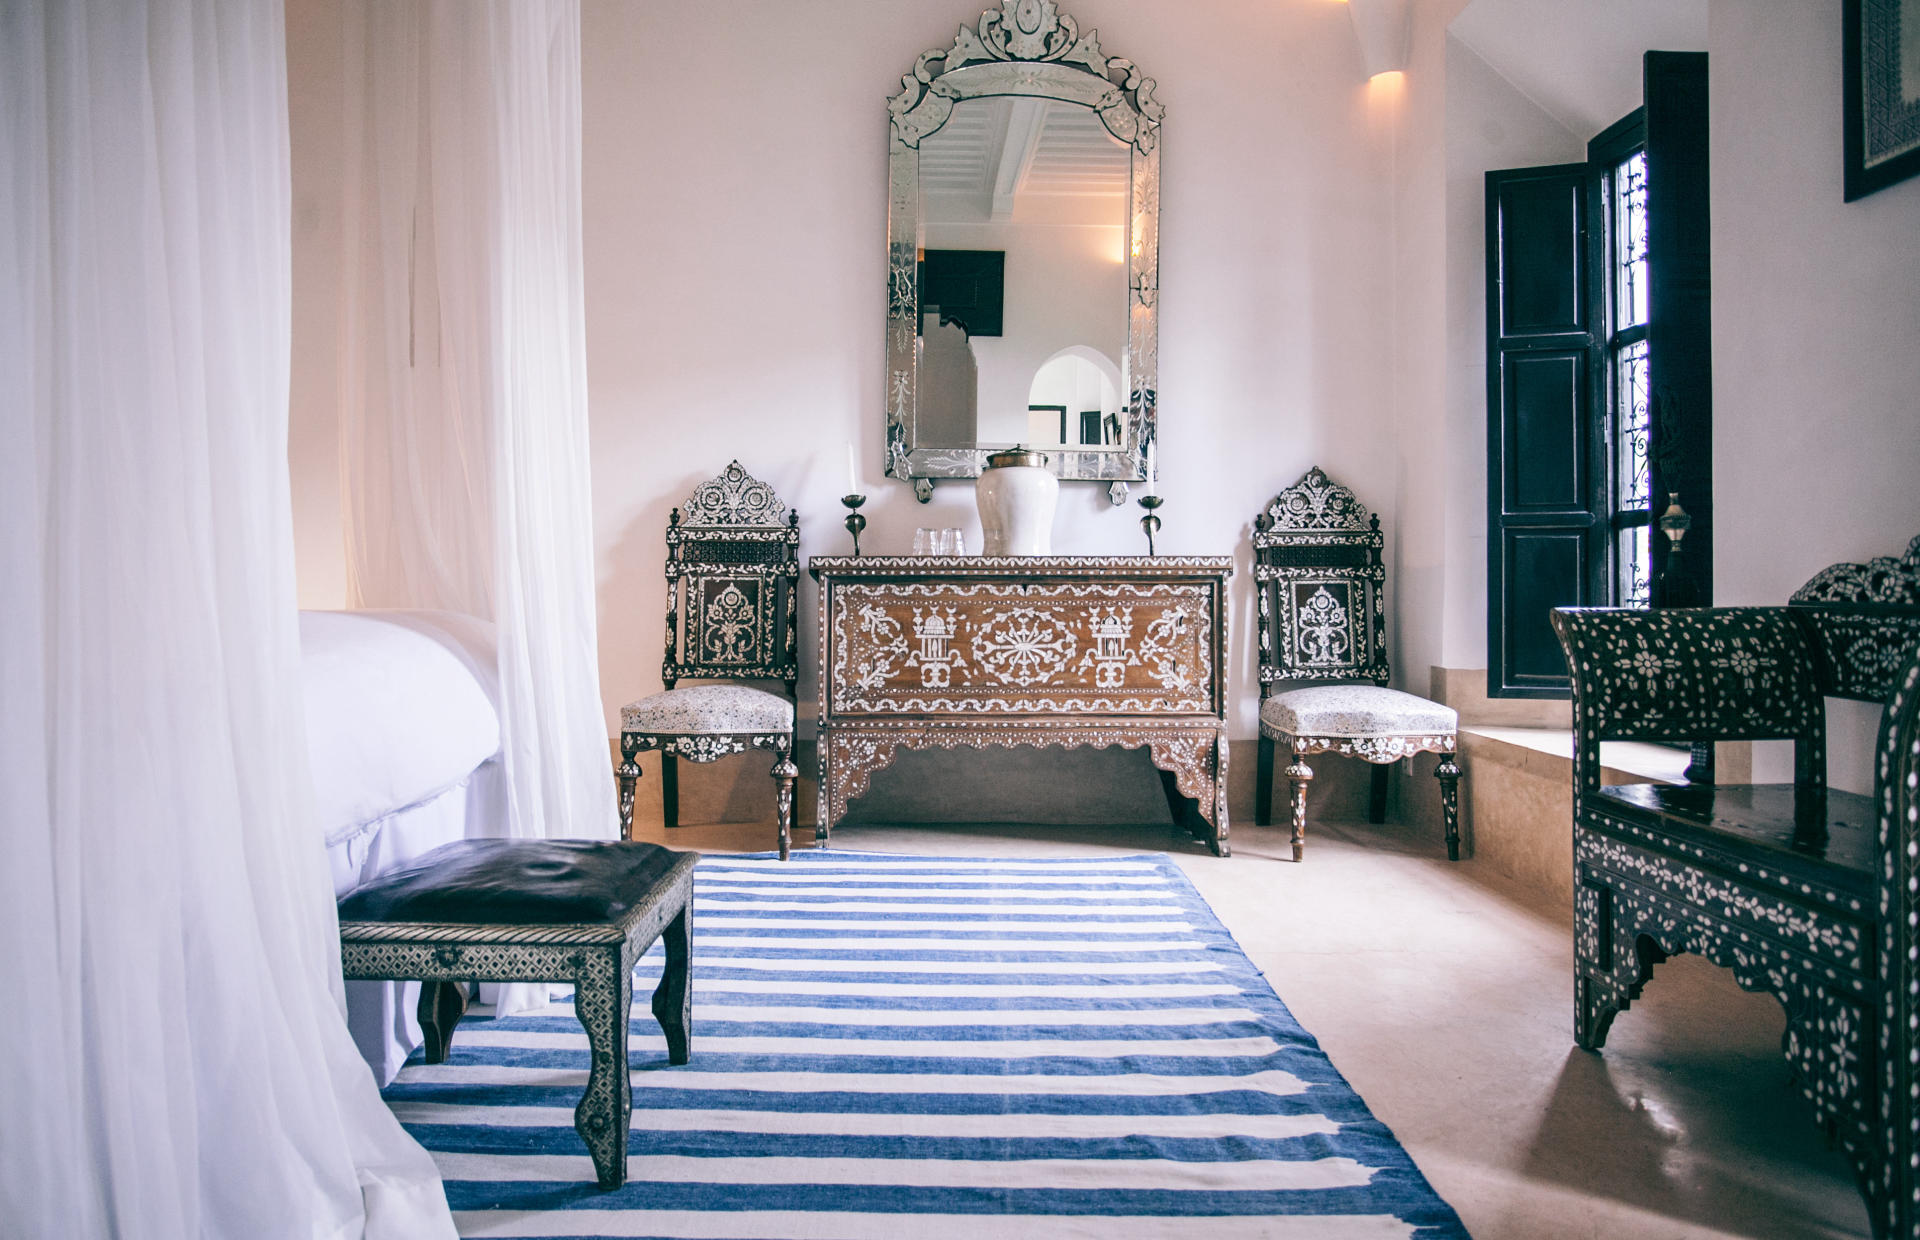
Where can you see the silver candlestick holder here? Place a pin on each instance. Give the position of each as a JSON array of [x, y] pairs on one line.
[[1150, 523], [855, 522]]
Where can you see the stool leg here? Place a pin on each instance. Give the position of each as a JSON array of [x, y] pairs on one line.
[[1377, 796], [1301, 775], [603, 999], [1263, 783], [441, 1006], [784, 773], [1448, 773], [673, 998], [670, 788]]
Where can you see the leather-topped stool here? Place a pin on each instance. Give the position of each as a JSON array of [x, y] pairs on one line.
[[580, 911]]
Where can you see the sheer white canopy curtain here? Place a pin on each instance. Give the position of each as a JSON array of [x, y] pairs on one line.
[[464, 377], [176, 1064]]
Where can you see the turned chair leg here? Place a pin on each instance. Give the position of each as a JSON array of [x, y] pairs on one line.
[[629, 773], [1263, 783], [1377, 795], [784, 773], [1301, 775], [670, 789], [1448, 773]]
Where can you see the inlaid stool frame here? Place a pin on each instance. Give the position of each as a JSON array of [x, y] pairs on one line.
[[597, 957], [733, 589], [1319, 585]]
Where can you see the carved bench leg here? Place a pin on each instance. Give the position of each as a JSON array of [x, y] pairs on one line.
[[441, 1006], [1448, 773], [1301, 775], [784, 773], [603, 999], [1263, 784], [673, 998], [1593, 1013]]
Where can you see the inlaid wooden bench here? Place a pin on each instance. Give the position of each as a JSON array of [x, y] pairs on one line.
[[580, 911], [1806, 893]]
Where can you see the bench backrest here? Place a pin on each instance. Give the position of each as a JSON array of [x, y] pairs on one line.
[[1863, 618], [1693, 674]]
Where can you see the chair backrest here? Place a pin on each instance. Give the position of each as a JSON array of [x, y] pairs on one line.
[[1863, 619], [1320, 582], [733, 582]]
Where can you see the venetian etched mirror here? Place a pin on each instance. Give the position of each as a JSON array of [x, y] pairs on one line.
[[1023, 231]]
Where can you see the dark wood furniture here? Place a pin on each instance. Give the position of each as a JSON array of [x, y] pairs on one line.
[[949, 652], [1319, 584], [1804, 892], [575, 911], [733, 577]]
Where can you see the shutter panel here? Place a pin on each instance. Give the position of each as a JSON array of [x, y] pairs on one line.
[[1680, 318], [1544, 469]]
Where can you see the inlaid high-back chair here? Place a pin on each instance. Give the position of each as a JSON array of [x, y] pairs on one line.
[[733, 575], [1316, 553]]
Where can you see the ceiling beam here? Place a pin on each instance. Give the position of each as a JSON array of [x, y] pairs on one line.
[[1025, 121]]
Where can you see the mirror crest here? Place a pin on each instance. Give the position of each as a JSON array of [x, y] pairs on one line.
[[1025, 49]]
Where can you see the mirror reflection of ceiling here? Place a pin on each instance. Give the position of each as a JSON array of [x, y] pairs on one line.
[[1580, 61], [1014, 158]]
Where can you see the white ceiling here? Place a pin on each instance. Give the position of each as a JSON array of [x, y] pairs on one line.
[[1579, 59], [993, 152]]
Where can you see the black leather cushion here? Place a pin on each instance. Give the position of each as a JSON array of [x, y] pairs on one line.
[[515, 882]]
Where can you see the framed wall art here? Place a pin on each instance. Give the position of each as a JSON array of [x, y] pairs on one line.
[[1881, 60]]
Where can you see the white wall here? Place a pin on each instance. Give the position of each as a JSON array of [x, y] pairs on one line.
[[735, 192], [1816, 329], [1489, 124]]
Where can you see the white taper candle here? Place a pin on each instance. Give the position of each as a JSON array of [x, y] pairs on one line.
[[853, 474]]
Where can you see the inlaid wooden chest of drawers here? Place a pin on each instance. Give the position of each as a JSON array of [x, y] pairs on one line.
[[971, 651]]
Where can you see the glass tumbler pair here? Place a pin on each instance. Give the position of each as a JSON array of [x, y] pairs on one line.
[[949, 541]]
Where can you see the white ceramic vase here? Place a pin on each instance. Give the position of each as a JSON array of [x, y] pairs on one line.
[[1017, 494]]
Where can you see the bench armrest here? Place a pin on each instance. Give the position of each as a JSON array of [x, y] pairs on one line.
[[1694, 674]]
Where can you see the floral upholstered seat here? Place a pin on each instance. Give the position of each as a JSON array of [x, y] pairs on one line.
[[1358, 712], [707, 709]]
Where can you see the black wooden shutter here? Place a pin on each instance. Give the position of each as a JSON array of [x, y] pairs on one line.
[[1679, 318], [1545, 544]]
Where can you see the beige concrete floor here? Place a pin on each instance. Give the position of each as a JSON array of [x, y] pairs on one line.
[[1443, 994]]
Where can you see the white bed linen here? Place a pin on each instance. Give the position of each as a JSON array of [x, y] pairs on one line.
[[404, 740], [400, 708]]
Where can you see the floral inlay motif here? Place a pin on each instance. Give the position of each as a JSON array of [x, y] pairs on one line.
[[728, 632], [1324, 636], [1024, 646]]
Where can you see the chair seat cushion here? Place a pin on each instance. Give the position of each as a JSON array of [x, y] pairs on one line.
[[515, 882], [701, 709], [1355, 711]]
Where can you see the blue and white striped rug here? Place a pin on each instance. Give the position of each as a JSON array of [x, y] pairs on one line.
[[922, 1047]]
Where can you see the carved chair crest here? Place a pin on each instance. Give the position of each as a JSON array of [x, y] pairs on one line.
[[1319, 585], [733, 573]]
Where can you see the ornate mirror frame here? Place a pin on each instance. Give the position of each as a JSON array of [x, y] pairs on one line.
[[1027, 47]]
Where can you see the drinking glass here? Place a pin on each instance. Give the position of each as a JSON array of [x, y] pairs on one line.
[[922, 540], [956, 541]]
